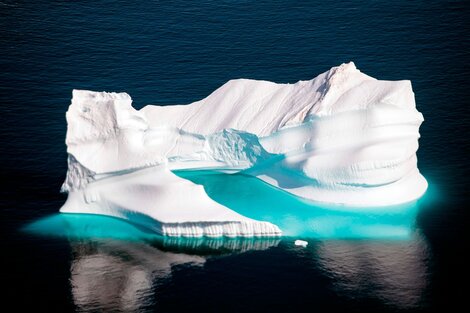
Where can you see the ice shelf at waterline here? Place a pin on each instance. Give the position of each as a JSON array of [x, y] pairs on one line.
[[340, 138]]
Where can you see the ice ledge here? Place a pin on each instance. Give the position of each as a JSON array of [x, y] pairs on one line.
[[165, 203], [218, 229]]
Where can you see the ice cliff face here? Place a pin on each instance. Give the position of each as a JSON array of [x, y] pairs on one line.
[[342, 137]]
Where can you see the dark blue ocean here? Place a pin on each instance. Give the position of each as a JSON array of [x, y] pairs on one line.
[[176, 52]]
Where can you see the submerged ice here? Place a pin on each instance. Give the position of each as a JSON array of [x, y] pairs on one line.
[[340, 138]]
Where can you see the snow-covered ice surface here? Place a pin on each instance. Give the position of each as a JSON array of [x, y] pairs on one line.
[[340, 138]]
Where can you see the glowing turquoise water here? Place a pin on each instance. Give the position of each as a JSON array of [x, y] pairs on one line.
[[78, 227], [253, 198]]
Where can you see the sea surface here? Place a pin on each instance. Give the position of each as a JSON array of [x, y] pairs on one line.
[[177, 52]]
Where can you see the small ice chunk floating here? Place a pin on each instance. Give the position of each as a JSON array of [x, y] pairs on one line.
[[301, 243]]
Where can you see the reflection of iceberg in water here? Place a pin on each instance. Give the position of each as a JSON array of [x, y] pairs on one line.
[[117, 265], [131, 276], [218, 245], [394, 272], [117, 275]]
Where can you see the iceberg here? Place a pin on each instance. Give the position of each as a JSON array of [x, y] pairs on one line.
[[341, 138]]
